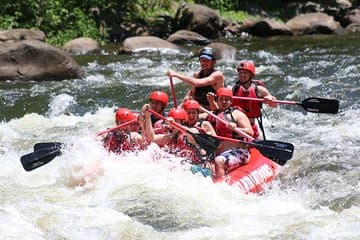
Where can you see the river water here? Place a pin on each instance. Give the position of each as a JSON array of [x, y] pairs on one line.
[[88, 193]]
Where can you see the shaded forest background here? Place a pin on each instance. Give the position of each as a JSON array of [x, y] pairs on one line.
[[63, 20]]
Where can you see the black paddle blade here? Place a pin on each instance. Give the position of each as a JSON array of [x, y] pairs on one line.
[[206, 141], [279, 152], [38, 158], [320, 105], [43, 145]]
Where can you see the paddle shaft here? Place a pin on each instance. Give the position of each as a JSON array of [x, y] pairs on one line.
[[236, 130], [173, 91], [312, 104], [174, 124], [254, 144], [117, 127], [262, 100]]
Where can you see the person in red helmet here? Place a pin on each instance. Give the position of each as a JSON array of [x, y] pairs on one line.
[[207, 79], [230, 155], [192, 107], [127, 138], [173, 141], [158, 102], [246, 86], [124, 115]]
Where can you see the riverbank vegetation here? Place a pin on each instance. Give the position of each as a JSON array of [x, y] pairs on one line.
[[63, 20]]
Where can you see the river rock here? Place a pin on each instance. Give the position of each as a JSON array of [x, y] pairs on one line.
[[354, 27], [21, 34], [353, 16], [146, 43], [314, 23], [266, 28], [81, 46], [185, 36], [223, 50], [199, 18], [35, 60]]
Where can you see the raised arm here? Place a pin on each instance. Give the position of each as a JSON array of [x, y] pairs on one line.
[[216, 79]]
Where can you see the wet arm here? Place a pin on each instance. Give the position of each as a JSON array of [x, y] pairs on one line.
[[215, 78], [266, 95]]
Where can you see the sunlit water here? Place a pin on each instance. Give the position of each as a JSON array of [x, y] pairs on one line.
[[88, 193]]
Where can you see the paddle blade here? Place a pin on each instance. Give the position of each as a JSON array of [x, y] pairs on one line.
[[320, 105], [43, 145], [279, 152], [38, 158], [206, 141]]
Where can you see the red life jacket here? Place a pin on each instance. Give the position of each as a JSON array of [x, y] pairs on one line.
[[252, 108], [181, 148], [117, 142], [221, 128]]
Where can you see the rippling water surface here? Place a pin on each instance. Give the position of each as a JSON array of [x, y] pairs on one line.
[[88, 193]]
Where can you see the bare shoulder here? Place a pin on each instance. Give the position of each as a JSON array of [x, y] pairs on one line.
[[218, 74], [238, 113], [196, 74], [263, 91], [218, 78]]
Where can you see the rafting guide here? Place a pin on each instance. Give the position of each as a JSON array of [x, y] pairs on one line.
[[208, 79]]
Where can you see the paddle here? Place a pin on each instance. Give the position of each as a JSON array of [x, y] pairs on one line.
[[117, 127], [312, 104], [43, 145], [39, 157], [236, 130], [205, 141], [44, 152], [277, 151], [173, 91]]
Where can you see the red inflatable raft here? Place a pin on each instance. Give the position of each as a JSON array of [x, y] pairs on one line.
[[252, 177]]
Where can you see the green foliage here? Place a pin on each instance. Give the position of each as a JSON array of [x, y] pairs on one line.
[[8, 22], [222, 5], [237, 15], [63, 20]]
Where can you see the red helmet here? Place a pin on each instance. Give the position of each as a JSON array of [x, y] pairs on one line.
[[191, 104], [159, 96], [124, 115], [178, 114], [247, 65], [226, 92]]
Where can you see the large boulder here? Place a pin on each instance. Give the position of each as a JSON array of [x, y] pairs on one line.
[[81, 46], [185, 36], [21, 34], [146, 43], [35, 60], [354, 27], [200, 19], [266, 28], [353, 16], [314, 23], [223, 50]]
